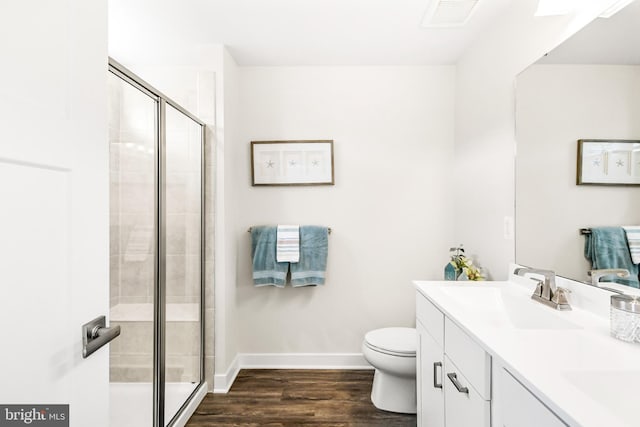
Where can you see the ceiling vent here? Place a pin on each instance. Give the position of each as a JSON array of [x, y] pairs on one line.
[[448, 13]]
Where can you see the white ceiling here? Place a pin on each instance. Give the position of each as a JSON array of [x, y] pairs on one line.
[[295, 32], [614, 40]]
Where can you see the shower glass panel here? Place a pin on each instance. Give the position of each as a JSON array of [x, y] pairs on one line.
[[183, 166], [132, 145]]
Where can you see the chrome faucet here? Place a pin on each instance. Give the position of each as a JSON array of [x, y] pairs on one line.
[[596, 275], [546, 291]]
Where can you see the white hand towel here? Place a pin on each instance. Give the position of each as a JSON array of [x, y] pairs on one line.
[[288, 243], [633, 238]]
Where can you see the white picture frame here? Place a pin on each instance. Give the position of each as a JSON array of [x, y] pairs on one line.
[[304, 162]]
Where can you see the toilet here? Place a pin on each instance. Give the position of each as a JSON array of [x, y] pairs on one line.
[[392, 352]]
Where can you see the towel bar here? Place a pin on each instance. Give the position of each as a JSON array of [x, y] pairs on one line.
[[584, 231], [328, 228]]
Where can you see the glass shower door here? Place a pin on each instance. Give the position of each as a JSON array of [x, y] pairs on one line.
[[133, 207], [183, 207]]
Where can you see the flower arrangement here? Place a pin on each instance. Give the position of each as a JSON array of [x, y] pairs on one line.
[[464, 266]]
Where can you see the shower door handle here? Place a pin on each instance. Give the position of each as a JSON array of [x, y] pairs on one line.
[[95, 334]]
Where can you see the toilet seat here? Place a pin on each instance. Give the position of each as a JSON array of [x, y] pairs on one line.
[[400, 342]]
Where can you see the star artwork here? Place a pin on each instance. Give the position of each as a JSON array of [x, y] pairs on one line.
[[269, 163], [315, 163], [596, 162], [292, 163], [620, 163]]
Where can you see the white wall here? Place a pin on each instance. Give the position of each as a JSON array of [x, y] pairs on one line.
[[485, 124], [556, 106], [390, 210]]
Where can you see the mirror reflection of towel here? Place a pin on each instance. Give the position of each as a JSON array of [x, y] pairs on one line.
[[606, 247], [633, 239]]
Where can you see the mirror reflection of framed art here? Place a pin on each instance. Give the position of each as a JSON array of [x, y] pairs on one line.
[[608, 162]]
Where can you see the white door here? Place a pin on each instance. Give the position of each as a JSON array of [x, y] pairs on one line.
[[54, 236]]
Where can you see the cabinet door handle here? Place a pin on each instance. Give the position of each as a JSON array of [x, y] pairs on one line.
[[435, 374], [454, 379]]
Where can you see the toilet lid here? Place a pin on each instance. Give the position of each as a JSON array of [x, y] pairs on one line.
[[393, 340]]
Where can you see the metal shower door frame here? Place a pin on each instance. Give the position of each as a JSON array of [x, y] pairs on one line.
[[160, 267]]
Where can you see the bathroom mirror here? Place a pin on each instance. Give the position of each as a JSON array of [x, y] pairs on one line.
[[586, 88]]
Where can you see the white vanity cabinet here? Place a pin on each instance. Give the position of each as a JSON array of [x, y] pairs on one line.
[[430, 388], [453, 373], [430, 364], [520, 408], [509, 361]]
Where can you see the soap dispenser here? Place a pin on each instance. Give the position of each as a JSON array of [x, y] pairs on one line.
[[625, 317]]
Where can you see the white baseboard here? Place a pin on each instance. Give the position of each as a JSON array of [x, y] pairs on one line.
[[303, 361], [223, 382]]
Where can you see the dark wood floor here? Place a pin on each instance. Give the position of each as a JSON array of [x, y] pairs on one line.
[[266, 397]]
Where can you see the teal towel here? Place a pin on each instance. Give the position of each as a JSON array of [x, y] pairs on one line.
[[606, 247], [312, 266], [266, 270]]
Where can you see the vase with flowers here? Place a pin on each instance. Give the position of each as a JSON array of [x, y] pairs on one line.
[[460, 267]]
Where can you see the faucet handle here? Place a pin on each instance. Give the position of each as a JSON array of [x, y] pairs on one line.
[[539, 287], [560, 298]]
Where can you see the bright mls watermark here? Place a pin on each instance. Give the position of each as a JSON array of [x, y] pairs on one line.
[[34, 415]]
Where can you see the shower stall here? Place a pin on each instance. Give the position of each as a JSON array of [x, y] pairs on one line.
[[156, 254]]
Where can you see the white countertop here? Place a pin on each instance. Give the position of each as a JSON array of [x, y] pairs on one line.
[[572, 364]]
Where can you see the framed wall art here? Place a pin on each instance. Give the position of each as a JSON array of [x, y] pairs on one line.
[[608, 162], [292, 162]]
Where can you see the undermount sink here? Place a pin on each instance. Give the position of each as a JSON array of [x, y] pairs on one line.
[[504, 307]]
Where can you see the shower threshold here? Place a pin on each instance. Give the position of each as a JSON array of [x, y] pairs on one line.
[[132, 403]]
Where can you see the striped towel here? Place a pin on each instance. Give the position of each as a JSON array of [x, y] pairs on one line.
[[288, 243], [633, 239]]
